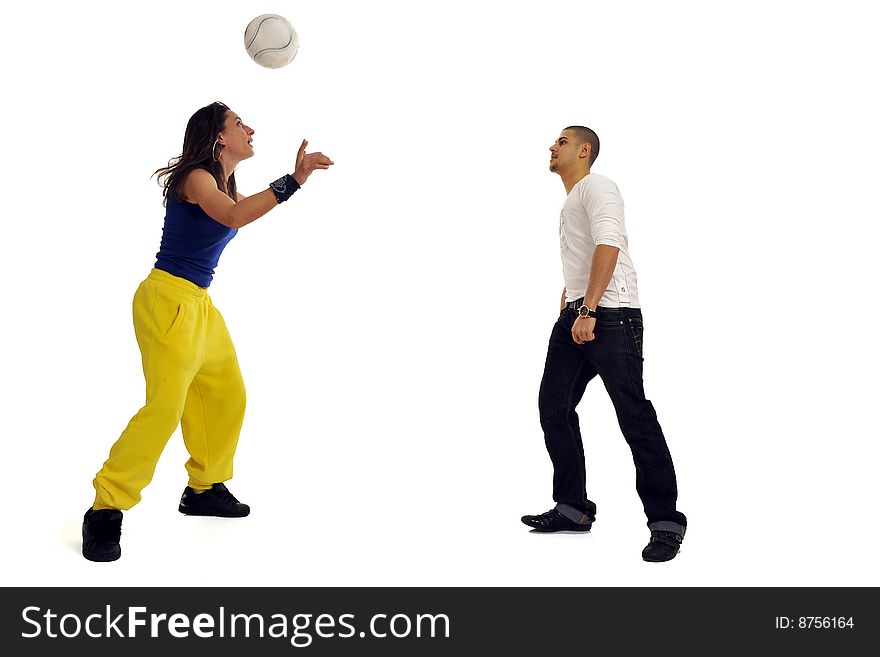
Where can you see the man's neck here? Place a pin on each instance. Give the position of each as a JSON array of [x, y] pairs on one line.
[[573, 179]]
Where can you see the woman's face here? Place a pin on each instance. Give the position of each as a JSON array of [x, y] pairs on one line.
[[236, 137]]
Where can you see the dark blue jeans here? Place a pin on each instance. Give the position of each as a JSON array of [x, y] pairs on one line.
[[616, 356]]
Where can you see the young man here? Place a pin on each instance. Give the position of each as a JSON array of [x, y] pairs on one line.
[[599, 331]]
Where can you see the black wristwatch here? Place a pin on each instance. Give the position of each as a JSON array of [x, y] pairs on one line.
[[586, 311]]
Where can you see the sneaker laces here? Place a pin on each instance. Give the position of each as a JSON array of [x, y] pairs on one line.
[[548, 515], [221, 492], [665, 537], [104, 527]]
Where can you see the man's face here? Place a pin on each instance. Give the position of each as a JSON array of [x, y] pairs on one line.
[[565, 152]]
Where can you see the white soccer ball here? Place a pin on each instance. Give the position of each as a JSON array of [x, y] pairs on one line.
[[271, 41]]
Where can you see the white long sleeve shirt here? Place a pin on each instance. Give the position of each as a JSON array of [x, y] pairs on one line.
[[593, 215]]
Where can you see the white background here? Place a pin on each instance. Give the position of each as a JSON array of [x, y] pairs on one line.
[[391, 320]]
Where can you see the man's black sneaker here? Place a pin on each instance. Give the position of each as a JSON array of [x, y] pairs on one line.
[[101, 531], [217, 501], [665, 543], [554, 521]]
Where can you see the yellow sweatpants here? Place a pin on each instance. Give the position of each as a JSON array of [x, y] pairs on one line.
[[192, 378]]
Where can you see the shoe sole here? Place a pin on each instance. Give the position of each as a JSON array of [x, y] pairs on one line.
[[644, 558], [205, 514], [101, 558], [570, 530]]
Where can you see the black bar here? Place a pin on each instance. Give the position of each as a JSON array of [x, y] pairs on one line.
[[518, 621]]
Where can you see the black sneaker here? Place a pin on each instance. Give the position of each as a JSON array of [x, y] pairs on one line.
[[217, 501], [101, 531], [665, 543], [554, 521]]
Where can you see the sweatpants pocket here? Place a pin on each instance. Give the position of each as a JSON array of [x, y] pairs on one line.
[[177, 320]]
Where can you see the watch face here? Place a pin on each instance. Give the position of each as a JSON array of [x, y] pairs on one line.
[[583, 311]]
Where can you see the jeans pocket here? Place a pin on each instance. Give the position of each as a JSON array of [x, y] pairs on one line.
[[608, 324], [637, 330]]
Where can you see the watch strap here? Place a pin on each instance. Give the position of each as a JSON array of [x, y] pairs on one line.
[[588, 313]]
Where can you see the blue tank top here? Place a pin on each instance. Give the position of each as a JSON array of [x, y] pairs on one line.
[[191, 242]]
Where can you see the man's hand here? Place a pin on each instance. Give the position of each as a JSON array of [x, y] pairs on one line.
[[308, 162], [582, 331]]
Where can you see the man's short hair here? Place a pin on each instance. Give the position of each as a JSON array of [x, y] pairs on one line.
[[587, 136]]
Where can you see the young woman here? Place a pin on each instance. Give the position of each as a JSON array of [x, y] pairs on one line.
[[189, 362]]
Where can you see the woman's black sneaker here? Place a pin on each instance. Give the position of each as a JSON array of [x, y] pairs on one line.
[[101, 531], [217, 501]]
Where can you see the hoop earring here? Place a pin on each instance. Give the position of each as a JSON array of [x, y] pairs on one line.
[[214, 149]]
